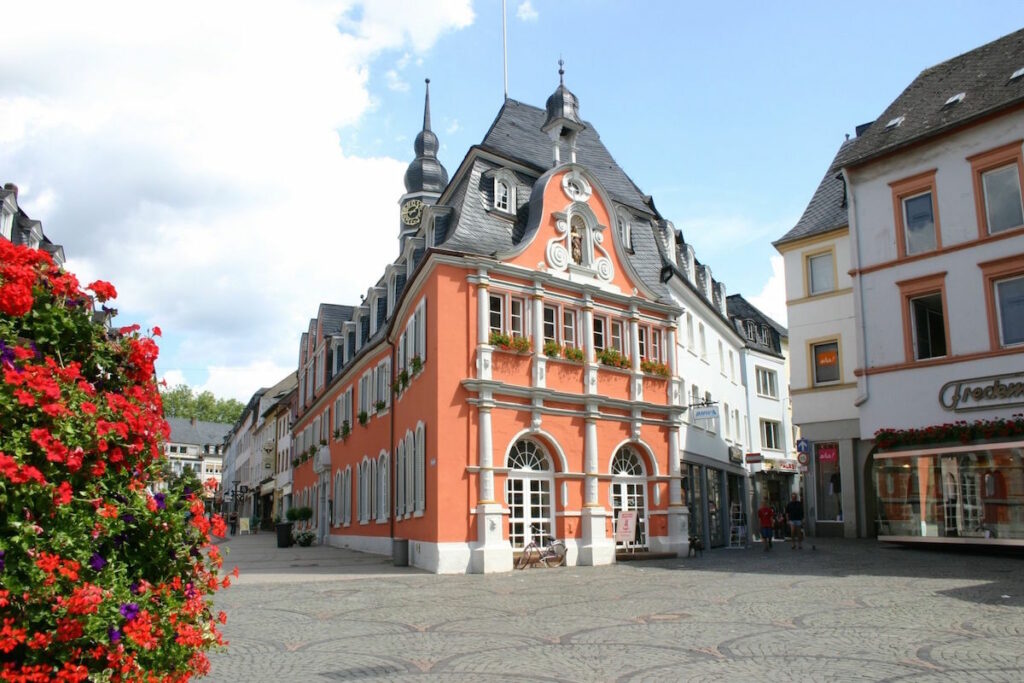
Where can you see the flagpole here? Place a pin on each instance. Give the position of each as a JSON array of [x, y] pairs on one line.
[[504, 46]]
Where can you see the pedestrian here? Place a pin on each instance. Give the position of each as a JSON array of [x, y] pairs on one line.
[[767, 518], [233, 521], [795, 515]]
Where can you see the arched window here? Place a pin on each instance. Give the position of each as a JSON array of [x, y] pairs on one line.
[[505, 191], [501, 195], [410, 474], [382, 487], [338, 497], [400, 480], [421, 468], [628, 491], [528, 492], [625, 226]]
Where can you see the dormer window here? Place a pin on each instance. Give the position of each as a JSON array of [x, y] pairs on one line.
[[6, 224], [765, 336], [625, 228], [751, 330], [505, 191]]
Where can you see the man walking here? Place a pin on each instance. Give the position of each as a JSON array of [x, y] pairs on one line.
[[766, 516], [795, 514]]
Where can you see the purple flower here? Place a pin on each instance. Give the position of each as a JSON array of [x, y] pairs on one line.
[[129, 610], [97, 562], [128, 518], [159, 498], [114, 634], [6, 356], [134, 588], [2, 553]]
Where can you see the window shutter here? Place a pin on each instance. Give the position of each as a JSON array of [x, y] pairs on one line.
[[421, 331], [410, 473], [421, 458]]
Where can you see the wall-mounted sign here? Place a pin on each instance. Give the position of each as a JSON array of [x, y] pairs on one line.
[[983, 393], [803, 446], [735, 454], [802, 458], [704, 412], [827, 452], [754, 458]]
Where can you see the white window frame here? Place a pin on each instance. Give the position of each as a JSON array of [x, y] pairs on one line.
[[550, 325], [767, 382], [1012, 166], [814, 288], [771, 435], [999, 310], [505, 178], [906, 223]]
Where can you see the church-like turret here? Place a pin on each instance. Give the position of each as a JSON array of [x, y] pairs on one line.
[[425, 178]]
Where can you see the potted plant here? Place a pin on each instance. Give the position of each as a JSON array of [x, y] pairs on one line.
[[520, 344], [296, 462], [500, 340], [652, 367], [363, 417], [573, 354], [417, 365], [396, 386], [552, 349], [380, 406], [612, 358], [346, 429], [305, 538], [403, 377]]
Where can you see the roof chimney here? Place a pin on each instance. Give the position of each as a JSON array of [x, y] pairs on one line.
[[13, 188], [193, 421]]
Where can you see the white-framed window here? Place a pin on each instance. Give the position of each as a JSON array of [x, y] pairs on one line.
[[656, 346], [346, 487], [767, 382], [516, 326], [382, 487], [496, 316], [727, 416], [771, 435], [420, 473], [367, 387], [1009, 294], [342, 412], [721, 357], [413, 341], [410, 473], [821, 273], [625, 227], [528, 493], [617, 336], [703, 341], [7, 225], [507, 314], [505, 191], [641, 340], [628, 491], [400, 479], [689, 331], [599, 332], [737, 434], [383, 374], [338, 496], [732, 366], [569, 327], [1003, 208], [550, 324], [750, 329]]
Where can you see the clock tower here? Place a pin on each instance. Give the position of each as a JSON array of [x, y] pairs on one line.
[[425, 178]]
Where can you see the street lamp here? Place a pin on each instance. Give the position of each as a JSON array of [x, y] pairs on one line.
[[234, 505]]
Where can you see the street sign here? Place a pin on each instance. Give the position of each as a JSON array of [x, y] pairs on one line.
[[704, 412], [754, 458], [802, 458], [803, 446]]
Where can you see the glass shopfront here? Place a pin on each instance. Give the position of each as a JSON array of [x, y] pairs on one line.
[[961, 494], [829, 482]]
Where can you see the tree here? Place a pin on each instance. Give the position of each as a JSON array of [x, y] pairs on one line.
[[181, 401], [100, 578]]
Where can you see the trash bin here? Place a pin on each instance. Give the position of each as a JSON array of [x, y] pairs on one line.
[[284, 534], [400, 552]]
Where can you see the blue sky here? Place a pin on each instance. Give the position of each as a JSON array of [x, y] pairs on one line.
[[229, 174]]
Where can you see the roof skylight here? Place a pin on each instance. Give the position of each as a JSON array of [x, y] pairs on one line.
[[959, 97], [1017, 74], [894, 123]]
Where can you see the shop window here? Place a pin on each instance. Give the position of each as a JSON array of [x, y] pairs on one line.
[[917, 220], [826, 362], [829, 482], [997, 189]]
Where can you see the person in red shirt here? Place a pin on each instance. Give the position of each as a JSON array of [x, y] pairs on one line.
[[766, 516]]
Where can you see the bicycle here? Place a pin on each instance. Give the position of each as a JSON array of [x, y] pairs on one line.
[[552, 555]]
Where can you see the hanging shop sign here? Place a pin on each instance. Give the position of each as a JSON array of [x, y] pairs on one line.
[[983, 393], [827, 452], [754, 458], [704, 412], [735, 454]]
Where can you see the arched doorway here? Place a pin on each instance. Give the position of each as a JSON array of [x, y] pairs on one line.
[[628, 491], [528, 494]]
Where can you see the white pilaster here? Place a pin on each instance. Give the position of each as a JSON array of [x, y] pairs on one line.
[[491, 552], [539, 359], [596, 548]]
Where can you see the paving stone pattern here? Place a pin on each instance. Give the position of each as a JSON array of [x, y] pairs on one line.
[[847, 611]]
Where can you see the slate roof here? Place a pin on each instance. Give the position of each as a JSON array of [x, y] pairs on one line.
[[740, 309], [827, 209], [983, 75], [516, 134], [332, 316], [199, 434]]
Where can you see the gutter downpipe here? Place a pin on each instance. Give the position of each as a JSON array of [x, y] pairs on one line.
[[392, 475], [863, 392]]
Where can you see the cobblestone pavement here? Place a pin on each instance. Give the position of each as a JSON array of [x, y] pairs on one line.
[[847, 611]]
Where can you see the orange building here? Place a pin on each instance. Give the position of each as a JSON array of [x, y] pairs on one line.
[[512, 376]]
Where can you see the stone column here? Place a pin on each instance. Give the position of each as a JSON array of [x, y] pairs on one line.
[[491, 552], [596, 547], [539, 359], [589, 357], [637, 381], [678, 513]]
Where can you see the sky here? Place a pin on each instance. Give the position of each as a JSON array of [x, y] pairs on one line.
[[231, 165]]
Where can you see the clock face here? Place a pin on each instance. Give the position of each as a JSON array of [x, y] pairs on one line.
[[412, 212]]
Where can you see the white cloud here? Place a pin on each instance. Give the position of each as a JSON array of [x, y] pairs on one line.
[[526, 12], [719, 234], [395, 81], [202, 172], [772, 297], [173, 378], [453, 127]]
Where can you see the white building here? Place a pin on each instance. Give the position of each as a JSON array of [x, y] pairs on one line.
[[196, 445], [920, 322]]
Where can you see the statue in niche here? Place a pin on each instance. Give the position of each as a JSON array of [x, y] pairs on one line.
[[576, 237]]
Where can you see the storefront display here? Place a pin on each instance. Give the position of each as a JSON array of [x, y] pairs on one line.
[[972, 493]]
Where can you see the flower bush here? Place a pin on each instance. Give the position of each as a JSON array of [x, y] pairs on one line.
[[952, 432], [100, 577], [574, 354], [612, 358], [652, 367]]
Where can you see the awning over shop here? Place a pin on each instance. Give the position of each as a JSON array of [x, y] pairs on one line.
[[690, 458]]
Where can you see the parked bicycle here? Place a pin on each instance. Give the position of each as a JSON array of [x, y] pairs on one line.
[[551, 555]]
